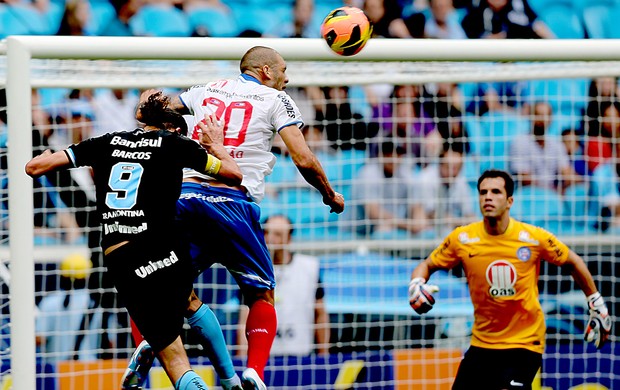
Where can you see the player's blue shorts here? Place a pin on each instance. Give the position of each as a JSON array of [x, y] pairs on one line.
[[222, 226]]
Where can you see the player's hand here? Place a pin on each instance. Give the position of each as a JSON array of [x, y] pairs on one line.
[[421, 295], [336, 203], [211, 131], [599, 323]]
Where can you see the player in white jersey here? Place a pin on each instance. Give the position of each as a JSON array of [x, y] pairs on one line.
[[253, 108]]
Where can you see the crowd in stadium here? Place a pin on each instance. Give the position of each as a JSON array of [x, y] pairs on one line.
[[351, 126], [405, 157]]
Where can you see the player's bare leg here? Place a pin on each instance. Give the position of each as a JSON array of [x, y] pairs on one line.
[[176, 364]]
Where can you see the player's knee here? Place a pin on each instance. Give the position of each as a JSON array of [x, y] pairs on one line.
[[259, 295], [193, 304]]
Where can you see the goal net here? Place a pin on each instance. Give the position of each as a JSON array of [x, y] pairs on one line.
[[403, 131]]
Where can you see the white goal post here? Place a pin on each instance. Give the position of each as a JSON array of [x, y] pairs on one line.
[[417, 61]]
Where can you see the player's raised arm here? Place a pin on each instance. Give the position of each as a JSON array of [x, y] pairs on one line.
[[599, 324], [310, 167], [211, 138], [47, 162]]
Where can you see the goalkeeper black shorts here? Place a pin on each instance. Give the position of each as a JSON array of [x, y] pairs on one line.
[[497, 369]]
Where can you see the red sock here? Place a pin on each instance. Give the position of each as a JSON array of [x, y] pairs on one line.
[[260, 330], [137, 336]]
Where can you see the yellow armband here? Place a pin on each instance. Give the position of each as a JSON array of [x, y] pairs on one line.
[[213, 165]]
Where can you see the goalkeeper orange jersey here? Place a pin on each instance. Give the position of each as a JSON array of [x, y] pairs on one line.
[[502, 272]]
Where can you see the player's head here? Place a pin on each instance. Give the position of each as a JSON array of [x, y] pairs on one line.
[[495, 189], [155, 113], [278, 231], [267, 65]]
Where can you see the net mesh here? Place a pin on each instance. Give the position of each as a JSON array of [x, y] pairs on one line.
[[354, 113]]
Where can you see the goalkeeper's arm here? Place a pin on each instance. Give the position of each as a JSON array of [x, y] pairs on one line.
[[421, 294], [599, 323]]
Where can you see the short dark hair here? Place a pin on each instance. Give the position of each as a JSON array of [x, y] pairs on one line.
[[493, 173], [284, 216]]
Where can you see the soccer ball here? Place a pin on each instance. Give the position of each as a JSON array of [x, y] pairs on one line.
[[346, 30]]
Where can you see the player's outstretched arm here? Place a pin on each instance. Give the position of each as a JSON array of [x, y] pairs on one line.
[[421, 294], [47, 162], [310, 167], [212, 139], [598, 328]]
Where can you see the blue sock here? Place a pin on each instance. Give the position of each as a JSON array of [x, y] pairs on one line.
[[206, 324], [190, 381]]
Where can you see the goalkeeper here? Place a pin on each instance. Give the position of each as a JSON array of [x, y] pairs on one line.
[[501, 258]]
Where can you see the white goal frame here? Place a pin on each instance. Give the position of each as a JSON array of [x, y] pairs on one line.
[[22, 49]]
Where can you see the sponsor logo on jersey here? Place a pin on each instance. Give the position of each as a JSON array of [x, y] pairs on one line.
[[524, 253], [465, 239], [524, 236], [290, 111], [153, 266], [210, 198], [131, 155], [153, 143], [554, 246], [123, 229], [501, 276], [122, 213]]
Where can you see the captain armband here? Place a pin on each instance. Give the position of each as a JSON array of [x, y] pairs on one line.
[[213, 165]]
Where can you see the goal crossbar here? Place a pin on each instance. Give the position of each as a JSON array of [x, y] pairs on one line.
[[20, 78]]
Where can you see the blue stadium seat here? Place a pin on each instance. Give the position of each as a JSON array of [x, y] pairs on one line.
[[577, 218], [257, 17], [601, 19], [563, 20], [284, 173], [103, 15], [568, 98], [377, 284], [160, 21], [538, 206], [214, 21], [497, 130], [22, 19]]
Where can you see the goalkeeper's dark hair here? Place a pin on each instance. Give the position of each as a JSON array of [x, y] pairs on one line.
[[493, 173], [155, 112]]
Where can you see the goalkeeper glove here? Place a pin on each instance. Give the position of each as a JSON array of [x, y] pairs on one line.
[[599, 323], [421, 295]]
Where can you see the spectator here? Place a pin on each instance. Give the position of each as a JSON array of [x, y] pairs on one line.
[[303, 321], [63, 315], [383, 192], [76, 18], [539, 159], [446, 200], [385, 18], [599, 143], [404, 122], [302, 24], [603, 90], [443, 103], [113, 109], [573, 142], [503, 19], [606, 192], [344, 128], [442, 24]]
